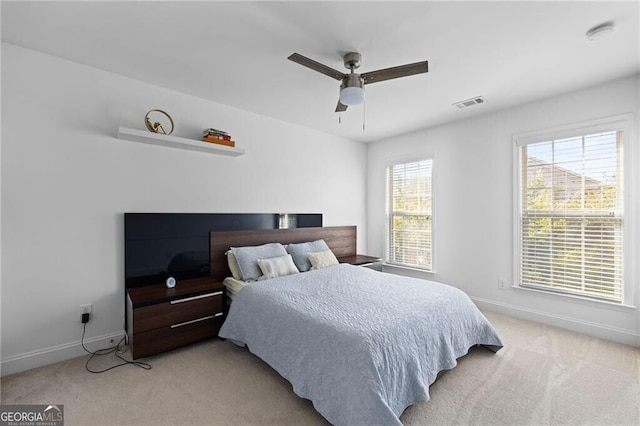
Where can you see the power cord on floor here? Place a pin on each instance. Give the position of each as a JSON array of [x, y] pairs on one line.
[[106, 351]]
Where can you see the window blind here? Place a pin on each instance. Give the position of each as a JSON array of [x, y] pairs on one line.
[[571, 215], [409, 221]]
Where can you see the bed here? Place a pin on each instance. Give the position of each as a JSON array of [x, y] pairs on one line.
[[362, 345]]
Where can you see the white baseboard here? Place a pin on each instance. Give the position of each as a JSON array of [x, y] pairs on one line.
[[38, 358], [619, 335]]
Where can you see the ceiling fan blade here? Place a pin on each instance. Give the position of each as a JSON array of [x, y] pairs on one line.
[[395, 72], [340, 107], [316, 66]]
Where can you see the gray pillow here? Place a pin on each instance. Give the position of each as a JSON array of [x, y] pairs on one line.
[[247, 258], [300, 253]]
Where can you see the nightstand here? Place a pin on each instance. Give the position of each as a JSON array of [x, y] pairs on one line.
[[359, 260], [161, 318]]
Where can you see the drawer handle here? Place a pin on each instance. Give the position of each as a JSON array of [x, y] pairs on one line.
[[202, 296], [192, 321]]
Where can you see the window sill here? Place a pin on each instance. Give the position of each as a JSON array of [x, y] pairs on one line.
[[579, 299]]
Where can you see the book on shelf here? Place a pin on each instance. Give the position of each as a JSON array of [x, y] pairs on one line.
[[214, 136], [212, 131], [219, 141]]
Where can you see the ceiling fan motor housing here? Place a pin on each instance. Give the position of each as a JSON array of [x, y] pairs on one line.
[[352, 80]]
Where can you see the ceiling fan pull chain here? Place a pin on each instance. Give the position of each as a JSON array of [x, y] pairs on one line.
[[364, 104], [339, 118]]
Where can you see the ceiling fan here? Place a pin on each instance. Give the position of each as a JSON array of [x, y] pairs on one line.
[[352, 84]]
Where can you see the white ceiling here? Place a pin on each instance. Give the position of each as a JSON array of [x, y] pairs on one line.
[[235, 53]]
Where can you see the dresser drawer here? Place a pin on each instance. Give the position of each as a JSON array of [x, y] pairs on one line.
[[178, 311], [166, 338]]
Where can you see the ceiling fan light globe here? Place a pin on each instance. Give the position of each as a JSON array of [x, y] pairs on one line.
[[351, 96]]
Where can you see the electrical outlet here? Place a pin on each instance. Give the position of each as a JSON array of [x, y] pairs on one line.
[[85, 309], [502, 283]]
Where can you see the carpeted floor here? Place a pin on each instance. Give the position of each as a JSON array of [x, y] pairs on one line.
[[543, 376]]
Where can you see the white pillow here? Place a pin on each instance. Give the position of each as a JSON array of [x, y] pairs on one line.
[[322, 259], [277, 267], [233, 265]]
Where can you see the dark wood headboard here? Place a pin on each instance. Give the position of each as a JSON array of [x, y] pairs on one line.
[[340, 239]]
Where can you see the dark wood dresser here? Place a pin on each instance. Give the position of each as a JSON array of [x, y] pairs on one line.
[[161, 318]]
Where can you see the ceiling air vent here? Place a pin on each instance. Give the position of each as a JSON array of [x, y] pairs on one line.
[[469, 102]]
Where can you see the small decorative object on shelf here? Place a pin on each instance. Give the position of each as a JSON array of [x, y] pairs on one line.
[[217, 136], [157, 127]]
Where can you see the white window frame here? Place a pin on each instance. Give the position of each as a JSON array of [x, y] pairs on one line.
[[620, 122], [388, 216]]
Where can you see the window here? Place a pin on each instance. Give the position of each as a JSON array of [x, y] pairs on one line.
[[409, 222], [570, 212]]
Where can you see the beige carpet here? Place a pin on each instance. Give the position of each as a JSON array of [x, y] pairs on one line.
[[543, 376]]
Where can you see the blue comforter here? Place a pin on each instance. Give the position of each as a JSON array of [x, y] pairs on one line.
[[361, 345]]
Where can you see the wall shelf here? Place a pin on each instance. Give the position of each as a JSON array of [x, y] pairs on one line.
[[176, 142]]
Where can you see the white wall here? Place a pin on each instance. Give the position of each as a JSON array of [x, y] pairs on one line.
[[473, 199], [66, 180]]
